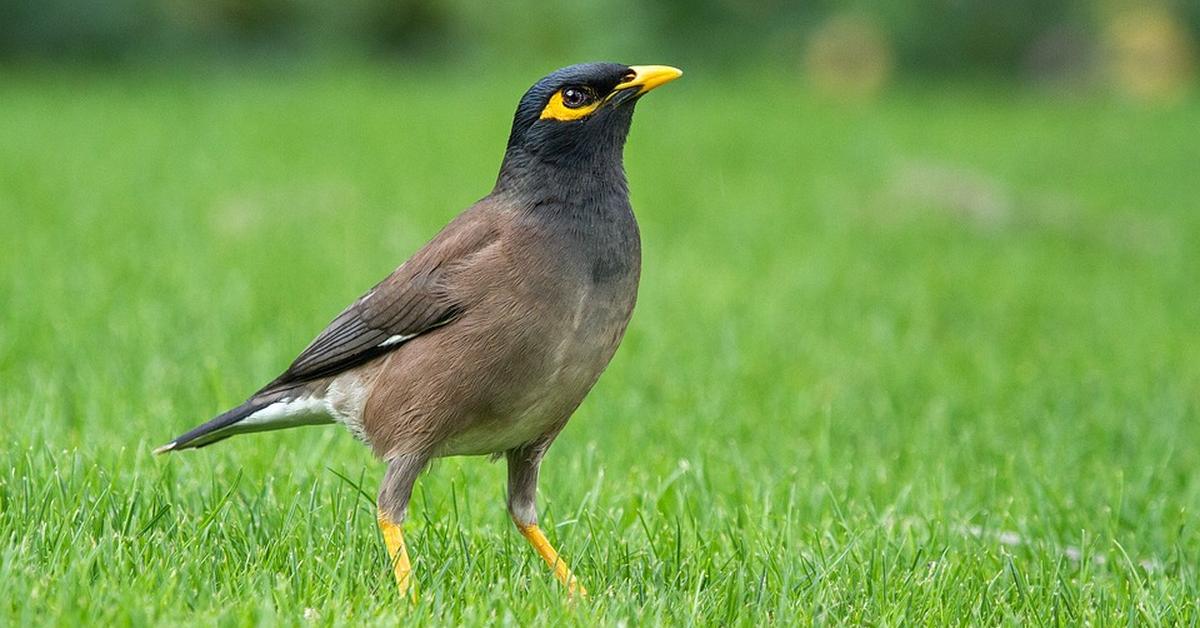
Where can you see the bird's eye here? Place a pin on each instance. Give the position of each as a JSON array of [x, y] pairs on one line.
[[576, 97]]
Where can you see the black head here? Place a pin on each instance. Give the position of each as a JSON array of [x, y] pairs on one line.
[[580, 115]]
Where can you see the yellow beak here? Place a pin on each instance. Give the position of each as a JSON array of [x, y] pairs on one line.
[[647, 77]]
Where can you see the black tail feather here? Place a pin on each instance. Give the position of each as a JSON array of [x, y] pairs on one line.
[[210, 432]]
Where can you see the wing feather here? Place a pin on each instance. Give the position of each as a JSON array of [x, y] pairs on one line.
[[417, 297]]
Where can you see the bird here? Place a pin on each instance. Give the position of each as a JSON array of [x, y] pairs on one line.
[[488, 338]]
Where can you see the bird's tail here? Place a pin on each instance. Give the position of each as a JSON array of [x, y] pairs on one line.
[[261, 412]]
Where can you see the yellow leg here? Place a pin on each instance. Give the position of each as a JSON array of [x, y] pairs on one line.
[[398, 551], [538, 540]]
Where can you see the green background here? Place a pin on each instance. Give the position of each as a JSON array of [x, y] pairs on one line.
[[924, 352]]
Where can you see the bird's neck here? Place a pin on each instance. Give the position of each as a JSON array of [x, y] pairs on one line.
[[587, 182]]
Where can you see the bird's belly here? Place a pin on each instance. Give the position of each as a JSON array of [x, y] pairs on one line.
[[495, 437], [541, 411], [539, 404]]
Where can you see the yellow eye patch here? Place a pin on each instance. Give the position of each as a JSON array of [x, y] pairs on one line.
[[556, 110]]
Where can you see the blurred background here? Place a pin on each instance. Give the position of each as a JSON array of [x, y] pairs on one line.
[[1146, 50], [918, 337]]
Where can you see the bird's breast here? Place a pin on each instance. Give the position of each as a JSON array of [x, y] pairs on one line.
[[567, 341]]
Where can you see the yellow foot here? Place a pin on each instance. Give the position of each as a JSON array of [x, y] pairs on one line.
[[538, 540], [398, 551]]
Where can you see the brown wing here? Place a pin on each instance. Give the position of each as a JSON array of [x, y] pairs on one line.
[[413, 300]]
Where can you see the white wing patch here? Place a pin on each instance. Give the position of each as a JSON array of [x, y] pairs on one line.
[[397, 339]]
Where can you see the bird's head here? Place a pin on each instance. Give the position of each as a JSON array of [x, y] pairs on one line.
[[580, 115]]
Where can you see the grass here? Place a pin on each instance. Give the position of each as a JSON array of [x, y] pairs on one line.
[[930, 360]]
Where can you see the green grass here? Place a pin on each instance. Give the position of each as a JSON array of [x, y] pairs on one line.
[[930, 360]]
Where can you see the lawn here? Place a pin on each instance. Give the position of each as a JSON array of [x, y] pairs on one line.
[[931, 359]]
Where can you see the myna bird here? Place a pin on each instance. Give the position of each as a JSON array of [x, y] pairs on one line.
[[489, 337]]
